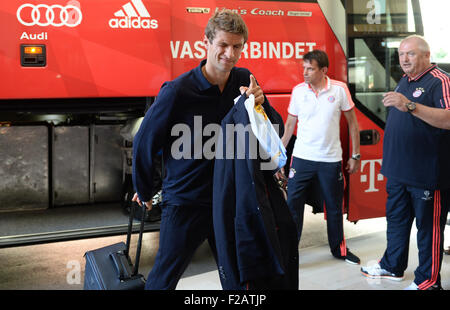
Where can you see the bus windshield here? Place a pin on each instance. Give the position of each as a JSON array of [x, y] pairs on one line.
[[375, 30]]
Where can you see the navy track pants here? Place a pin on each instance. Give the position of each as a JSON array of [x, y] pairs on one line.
[[183, 229], [429, 208], [329, 175]]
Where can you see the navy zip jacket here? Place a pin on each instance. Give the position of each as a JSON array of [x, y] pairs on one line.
[[181, 113], [256, 238], [414, 152]]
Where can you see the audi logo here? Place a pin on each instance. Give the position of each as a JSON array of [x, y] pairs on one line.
[[69, 15]]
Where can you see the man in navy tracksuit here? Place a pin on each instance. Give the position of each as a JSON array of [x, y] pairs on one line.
[[416, 162], [178, 123]]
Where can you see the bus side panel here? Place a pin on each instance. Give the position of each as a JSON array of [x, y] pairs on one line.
[[280, 33], [100, 53], [367, 193], [107, 56], [280, 102]]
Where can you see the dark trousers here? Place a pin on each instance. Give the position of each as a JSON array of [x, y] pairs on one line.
[[183, 229], [331, 185], [429, 208]]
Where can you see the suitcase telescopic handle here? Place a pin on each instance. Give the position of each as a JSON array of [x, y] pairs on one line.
[[139, 245], [129, 232]]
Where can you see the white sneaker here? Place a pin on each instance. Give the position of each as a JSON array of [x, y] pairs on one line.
[[376, 272], [412, 287]]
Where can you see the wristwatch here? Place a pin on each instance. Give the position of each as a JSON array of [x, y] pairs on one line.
[[410, 106], [356, 156]]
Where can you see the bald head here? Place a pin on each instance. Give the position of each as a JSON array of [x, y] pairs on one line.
[[414, 55], [419, 41]]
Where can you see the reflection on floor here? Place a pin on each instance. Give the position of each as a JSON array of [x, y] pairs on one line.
[[60, 265]]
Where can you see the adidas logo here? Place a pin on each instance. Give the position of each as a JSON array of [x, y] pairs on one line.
[[135, 15]]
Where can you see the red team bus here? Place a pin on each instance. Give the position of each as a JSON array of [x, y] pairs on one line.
[[77, 75]]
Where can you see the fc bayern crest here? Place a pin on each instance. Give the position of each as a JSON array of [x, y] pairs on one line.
[[331, 99], [292, 173], [418, 92]]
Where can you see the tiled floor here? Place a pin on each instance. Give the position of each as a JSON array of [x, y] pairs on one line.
[[60, 265], [318, 270]]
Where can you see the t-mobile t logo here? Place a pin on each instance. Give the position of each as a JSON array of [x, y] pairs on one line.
[[379, 177]]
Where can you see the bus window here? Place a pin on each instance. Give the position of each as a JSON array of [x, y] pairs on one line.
[[383, 17], [375, 29]]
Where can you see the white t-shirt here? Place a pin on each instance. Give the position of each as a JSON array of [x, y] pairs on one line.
[[319, 117]]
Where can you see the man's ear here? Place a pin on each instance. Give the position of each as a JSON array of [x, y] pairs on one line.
[[206, 41], [325, 70]]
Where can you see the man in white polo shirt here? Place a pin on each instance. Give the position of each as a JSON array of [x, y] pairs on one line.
[[316, 105]]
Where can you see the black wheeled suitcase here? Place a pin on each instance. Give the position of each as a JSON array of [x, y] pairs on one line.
[[110, 267]]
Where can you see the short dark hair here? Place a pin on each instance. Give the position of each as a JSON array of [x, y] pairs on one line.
[[228, 21], [318, 55]]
